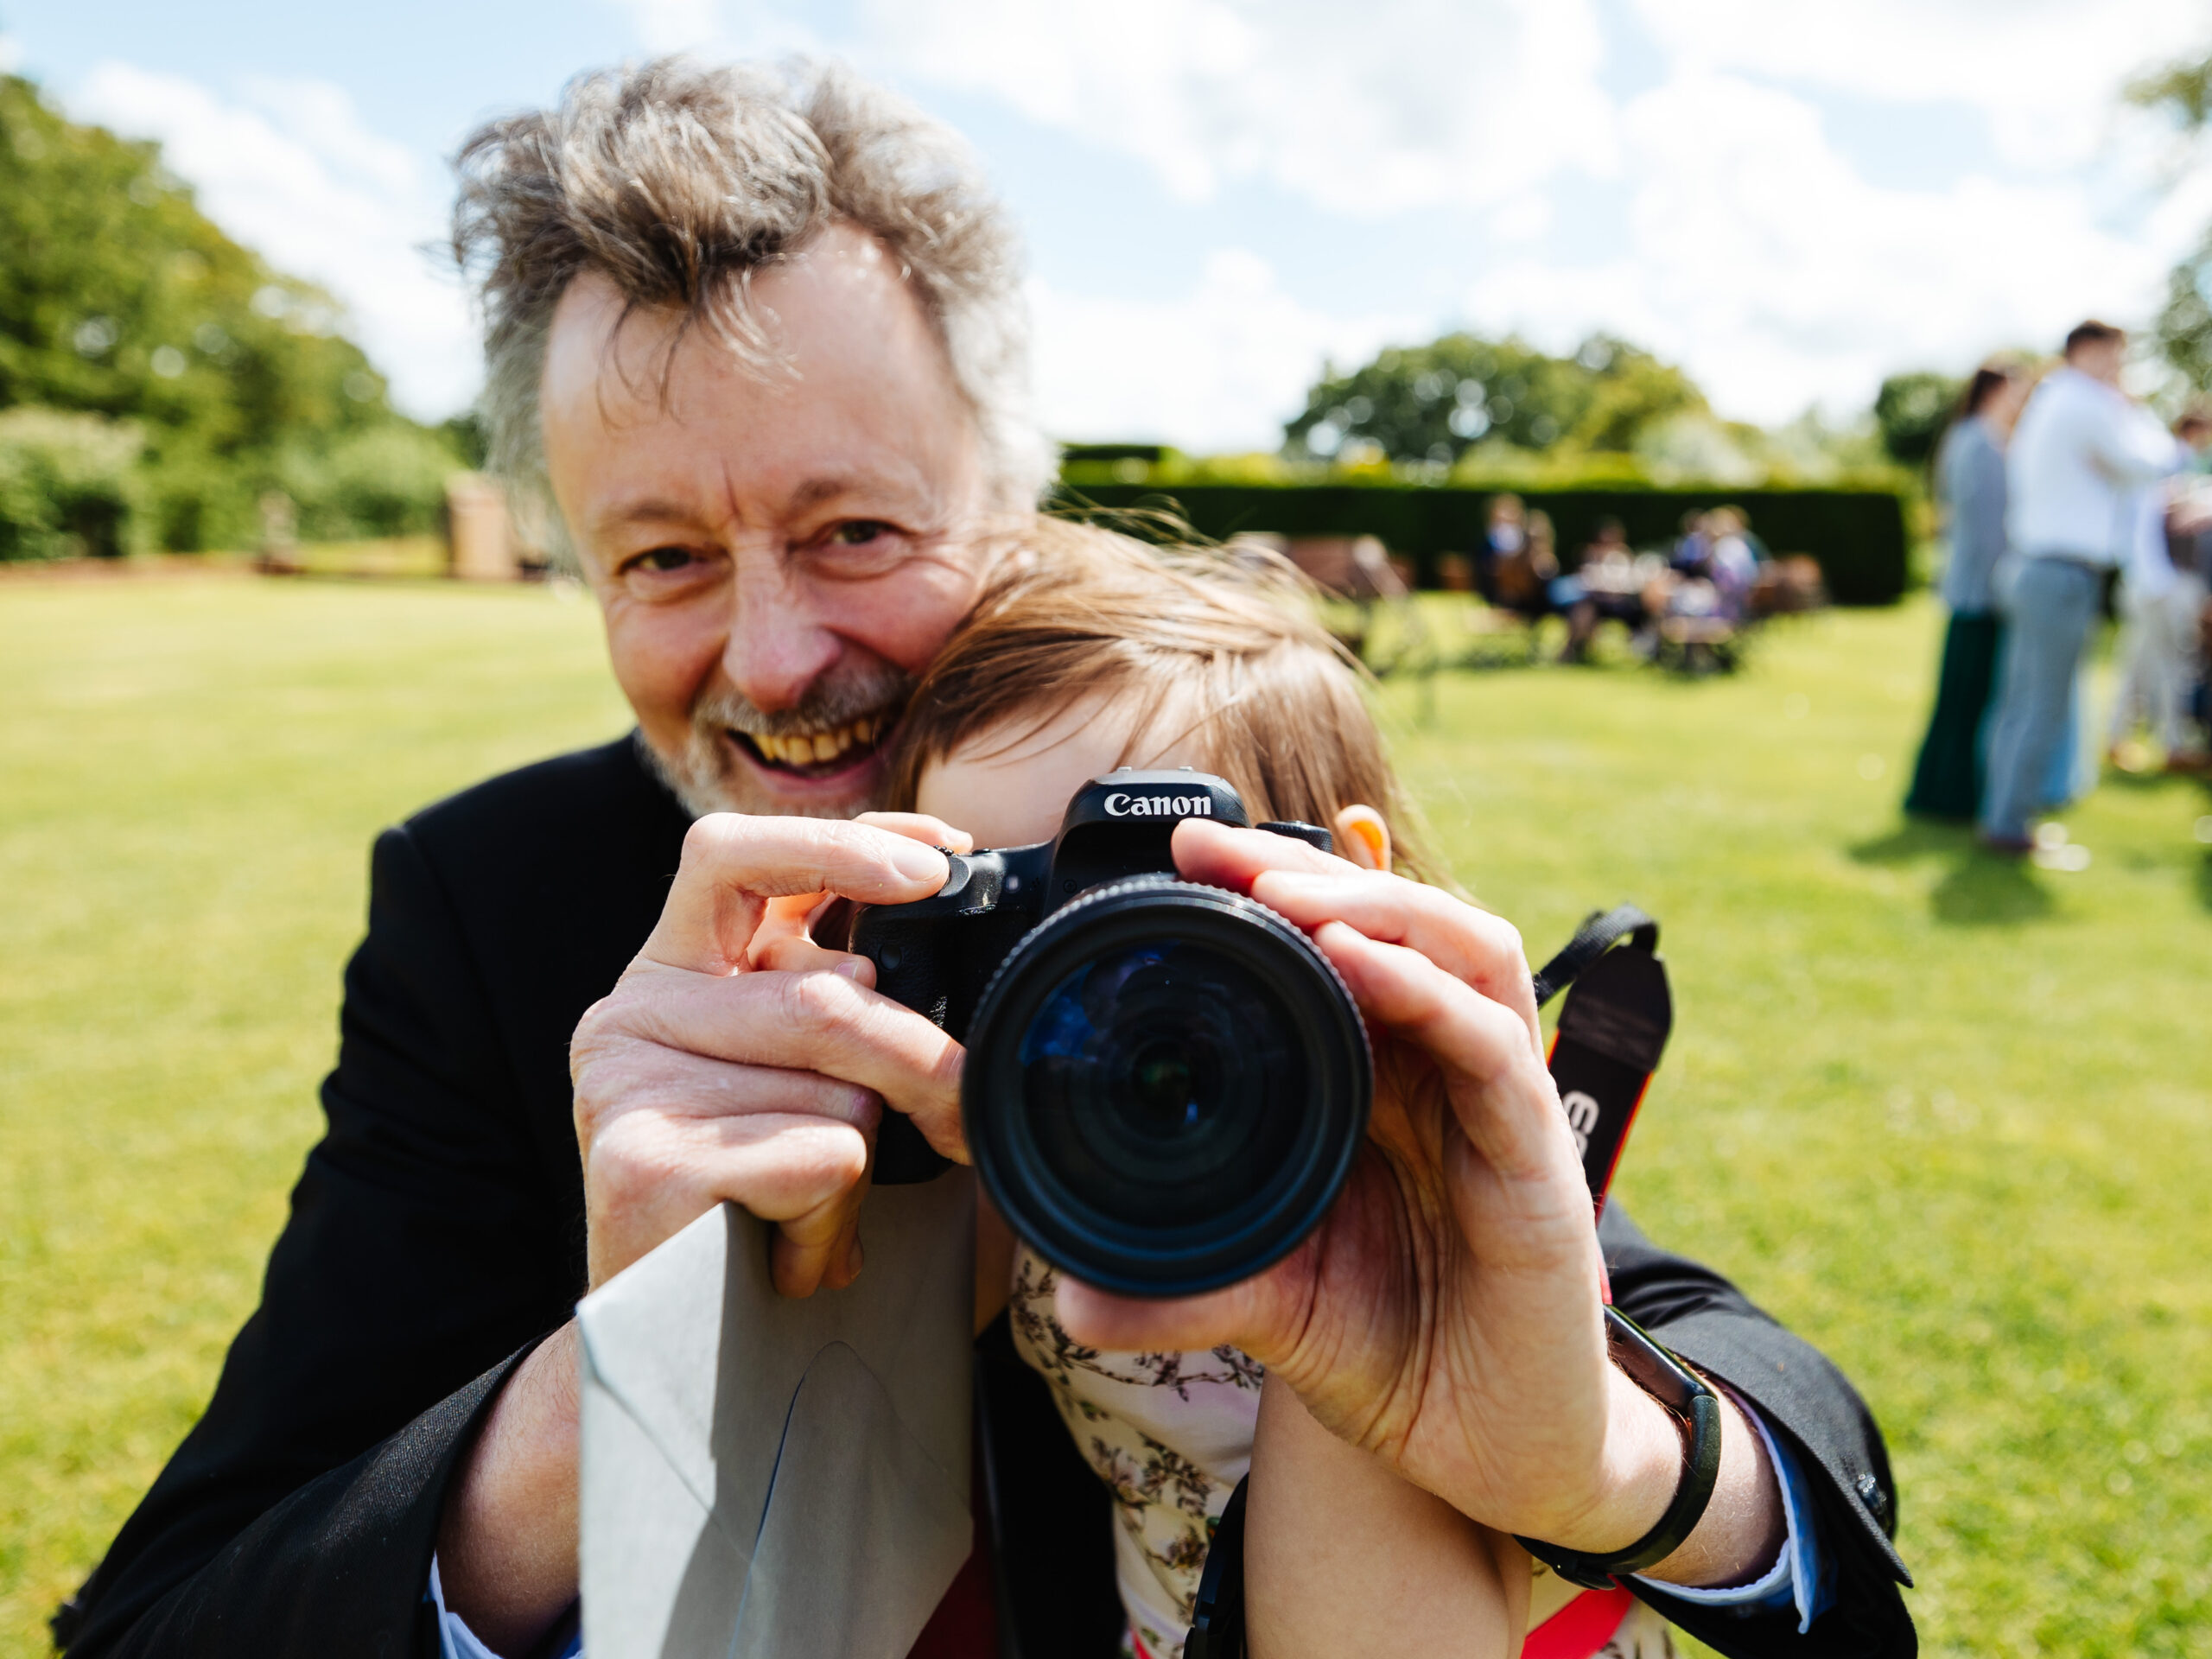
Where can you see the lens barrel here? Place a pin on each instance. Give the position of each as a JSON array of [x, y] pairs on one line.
[[1165, 1087]]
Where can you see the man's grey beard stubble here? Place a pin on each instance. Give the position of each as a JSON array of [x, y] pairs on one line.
[[707, 777]]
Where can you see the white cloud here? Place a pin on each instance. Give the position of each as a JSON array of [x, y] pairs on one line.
[[292, 170], [1750, 249], [714, 30], [2045, 71], [672, 25], [322, 117], [11, 53], [1523, 217], [1219, 370], [1365, 110], [1758, 257]]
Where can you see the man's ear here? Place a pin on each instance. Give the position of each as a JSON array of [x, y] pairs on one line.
[[1363, 838]]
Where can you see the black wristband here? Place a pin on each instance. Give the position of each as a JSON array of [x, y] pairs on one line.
[[1696, 1411]]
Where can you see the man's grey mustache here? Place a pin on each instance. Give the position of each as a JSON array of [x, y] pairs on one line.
[[707, 777], [826, 706]]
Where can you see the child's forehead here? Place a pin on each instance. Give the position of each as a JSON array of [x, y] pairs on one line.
[[1009, 785]]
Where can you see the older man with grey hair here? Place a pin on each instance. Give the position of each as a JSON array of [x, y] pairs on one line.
[[755, 342]]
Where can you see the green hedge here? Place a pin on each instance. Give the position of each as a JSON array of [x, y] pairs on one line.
[[1858, 535]]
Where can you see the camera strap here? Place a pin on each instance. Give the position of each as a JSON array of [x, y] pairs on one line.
[[1612, 1029]]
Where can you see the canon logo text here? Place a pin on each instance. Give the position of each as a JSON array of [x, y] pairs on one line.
[[1159, 806]]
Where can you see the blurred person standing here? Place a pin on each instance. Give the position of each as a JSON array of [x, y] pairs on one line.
[[1504, 538], [1732, 562], [1690, 554], [1547, 590], [2081, 450], [2162, 598], [1970, 489]]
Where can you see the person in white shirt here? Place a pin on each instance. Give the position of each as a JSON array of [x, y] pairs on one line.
[[2082, 452], [2160, 600]]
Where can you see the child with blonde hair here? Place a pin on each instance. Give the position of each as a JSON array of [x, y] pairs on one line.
[[1103, 653]]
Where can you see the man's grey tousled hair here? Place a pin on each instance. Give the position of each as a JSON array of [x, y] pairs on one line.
[[679, 181]]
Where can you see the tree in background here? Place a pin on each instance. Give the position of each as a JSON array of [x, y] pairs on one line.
[[1911, 410], [2183, 326], [2182, 330], [120, 300], [1433, 403]]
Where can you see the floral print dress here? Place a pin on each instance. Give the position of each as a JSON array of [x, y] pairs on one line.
[[1171, 1435]]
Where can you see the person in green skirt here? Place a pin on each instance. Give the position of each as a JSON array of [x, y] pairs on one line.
[[1970, 488]]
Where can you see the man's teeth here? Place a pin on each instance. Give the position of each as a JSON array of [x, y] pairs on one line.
[[818, 748]]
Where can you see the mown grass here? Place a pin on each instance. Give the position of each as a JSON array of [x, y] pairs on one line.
[[1952, 1118]]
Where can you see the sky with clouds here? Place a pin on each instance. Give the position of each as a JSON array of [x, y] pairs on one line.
[[1790, 199]]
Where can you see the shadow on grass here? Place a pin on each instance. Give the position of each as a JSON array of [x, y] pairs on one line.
[[1915, 838], [2148, 782], [1980, 889], [1984, 890]]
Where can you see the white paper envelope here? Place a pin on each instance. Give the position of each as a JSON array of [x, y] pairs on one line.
[[764, 1477]]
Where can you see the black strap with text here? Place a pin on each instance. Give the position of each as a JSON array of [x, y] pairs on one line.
[[1612, 1030]]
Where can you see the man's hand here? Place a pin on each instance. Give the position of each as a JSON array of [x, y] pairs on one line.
[[738, 1060], [1446, 1315]]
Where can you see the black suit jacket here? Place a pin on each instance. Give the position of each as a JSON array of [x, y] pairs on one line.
[[437, 1232]]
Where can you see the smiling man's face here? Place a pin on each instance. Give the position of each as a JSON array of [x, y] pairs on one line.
[[778, 553]]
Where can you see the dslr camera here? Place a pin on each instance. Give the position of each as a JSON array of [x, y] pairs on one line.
[[1166, 1083]]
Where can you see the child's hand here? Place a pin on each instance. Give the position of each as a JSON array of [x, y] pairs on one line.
[[1446, 1315]]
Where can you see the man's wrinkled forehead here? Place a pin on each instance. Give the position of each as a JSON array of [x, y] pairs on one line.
[[644, 410], [837, 308]]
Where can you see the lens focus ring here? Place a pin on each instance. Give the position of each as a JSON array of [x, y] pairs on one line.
[[1166, 1086]]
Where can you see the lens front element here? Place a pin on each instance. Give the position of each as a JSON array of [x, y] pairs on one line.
[[1147, 1077], [1166, 1086]]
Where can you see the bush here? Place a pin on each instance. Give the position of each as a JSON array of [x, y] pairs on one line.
[[1912, 410], [67, 484], [389, 480], [192, 501], [1857, 535]]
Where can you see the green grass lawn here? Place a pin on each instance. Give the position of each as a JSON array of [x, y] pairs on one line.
[[1951, 1118]]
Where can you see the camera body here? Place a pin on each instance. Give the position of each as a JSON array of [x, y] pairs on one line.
[[938, 954], [1166, 1083]]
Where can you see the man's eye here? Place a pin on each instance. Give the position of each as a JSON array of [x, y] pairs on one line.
[[664, 558], [858, 532]]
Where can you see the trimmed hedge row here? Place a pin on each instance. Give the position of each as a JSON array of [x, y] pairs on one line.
[[1858, 535]]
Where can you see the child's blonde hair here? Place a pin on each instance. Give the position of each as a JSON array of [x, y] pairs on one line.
[[1222, 648]]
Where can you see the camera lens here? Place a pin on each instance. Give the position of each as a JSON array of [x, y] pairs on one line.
[[1165, 1082], [1145, 1079], [1166, 1086]]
